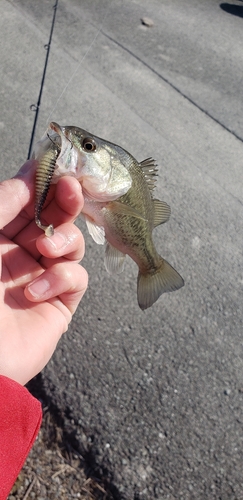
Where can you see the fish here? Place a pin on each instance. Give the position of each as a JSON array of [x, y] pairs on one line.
[[119, 207]]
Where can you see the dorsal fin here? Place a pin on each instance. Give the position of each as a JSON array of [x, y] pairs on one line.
[[149, 168], [161, 212]]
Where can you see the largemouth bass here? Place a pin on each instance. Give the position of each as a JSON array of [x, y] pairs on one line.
[[119, 207]]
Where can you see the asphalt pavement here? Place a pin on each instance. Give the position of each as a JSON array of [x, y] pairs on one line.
[[152, 399]]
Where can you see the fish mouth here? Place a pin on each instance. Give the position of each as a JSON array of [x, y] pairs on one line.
[[56, 131], [67, 157], [50, 139], [69, 161], [54, 126]]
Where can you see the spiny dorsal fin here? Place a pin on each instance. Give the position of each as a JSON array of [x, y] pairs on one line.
[[161, 212], [149, 169]]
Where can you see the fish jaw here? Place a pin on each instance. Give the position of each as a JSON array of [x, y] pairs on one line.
[[69, 161], [46, 142]]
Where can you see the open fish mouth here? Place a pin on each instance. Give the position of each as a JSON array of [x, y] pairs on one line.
[[69, 159]]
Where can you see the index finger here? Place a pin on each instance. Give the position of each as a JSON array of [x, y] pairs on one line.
[[67, 195]]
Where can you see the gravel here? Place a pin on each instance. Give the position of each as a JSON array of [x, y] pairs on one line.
[[54, 469]]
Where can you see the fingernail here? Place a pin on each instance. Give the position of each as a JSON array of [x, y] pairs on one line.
[[58, 240], [39, 287]]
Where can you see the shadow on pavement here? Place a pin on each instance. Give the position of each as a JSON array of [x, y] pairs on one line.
[[70, 443], [235, 10]]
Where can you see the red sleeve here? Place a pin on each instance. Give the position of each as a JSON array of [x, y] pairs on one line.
[[20, 420]]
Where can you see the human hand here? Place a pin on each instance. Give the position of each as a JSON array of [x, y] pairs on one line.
[[41, 279]]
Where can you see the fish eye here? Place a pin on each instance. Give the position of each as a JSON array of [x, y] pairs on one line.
[[89, 144]]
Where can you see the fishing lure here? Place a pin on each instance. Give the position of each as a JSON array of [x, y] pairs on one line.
[[44, 174]]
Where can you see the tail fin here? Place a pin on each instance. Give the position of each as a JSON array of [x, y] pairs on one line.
[[151, 285]]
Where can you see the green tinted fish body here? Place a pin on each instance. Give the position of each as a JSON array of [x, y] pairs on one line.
[[119, 207]]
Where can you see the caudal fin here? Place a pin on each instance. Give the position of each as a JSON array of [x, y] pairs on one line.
[[151, 285]]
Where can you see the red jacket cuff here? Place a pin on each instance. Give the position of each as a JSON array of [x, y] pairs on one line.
[[20, 420]]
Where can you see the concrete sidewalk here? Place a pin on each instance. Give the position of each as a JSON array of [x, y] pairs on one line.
[[156, 397]]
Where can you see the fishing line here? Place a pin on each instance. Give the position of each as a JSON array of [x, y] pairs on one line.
[[74, 73], [36, 107]]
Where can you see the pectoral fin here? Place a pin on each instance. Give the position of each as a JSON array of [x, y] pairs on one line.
[[121, 208], [114, 260], [97, 232]]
